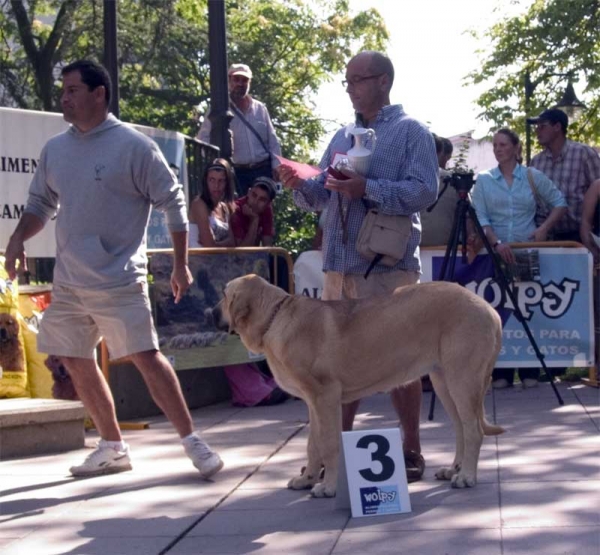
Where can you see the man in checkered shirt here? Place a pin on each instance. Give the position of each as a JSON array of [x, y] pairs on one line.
[[402, 180], [571, 165]]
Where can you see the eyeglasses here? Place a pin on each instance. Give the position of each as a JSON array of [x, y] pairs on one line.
[[357, 79]]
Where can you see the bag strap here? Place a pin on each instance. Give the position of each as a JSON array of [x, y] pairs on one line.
[[378, 256], [240, 115], [534, 191], [343, 220]]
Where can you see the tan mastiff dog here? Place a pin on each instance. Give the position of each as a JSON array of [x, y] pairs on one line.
[[333, 352]]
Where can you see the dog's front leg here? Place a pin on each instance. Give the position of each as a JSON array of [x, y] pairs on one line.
[[328, 412], [310, 474]]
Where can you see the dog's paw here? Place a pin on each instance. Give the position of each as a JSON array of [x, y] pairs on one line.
[[321, 490], [445, 473], [301, 482], [461, 480]]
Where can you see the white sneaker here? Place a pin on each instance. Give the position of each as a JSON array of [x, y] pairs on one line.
[[204, 458], [529, 383], [500, 384], [104, 460]]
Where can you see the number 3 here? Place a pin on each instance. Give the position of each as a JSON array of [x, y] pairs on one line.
[[387, 464]]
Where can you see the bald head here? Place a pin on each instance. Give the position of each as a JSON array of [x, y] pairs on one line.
[[377, 63]]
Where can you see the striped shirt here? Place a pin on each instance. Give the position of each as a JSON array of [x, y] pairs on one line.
[[402, 179], [573, 172], [247, 149], [510, 211]]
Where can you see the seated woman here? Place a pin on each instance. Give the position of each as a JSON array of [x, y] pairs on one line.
[[211, 210], [505, 203]]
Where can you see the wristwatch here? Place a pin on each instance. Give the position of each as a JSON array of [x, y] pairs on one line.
[[498, 242]]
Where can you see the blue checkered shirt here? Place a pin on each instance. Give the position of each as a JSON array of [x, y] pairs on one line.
[[402, 179]]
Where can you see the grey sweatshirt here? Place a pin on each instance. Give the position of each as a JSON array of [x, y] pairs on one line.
[[102, 185]]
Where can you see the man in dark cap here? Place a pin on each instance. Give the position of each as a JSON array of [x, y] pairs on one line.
[[571, 165]]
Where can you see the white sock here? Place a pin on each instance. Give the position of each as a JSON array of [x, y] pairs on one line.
[[116, 445], [189, 437]]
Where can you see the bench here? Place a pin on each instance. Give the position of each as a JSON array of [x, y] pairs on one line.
[[40, 426]]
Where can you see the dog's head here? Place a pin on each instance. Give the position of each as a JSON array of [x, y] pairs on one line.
[[9, 328], [55, 365], [247, 308], [233, 309]]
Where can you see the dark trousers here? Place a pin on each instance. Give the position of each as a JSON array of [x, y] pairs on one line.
[[508, 374], [567, 236], [245, 176]]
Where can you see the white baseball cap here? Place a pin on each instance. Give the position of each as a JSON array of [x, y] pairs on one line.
[[240, 69]]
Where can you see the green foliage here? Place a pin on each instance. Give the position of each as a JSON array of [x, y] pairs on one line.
[[294, 229], [550, 37], [292, 46]]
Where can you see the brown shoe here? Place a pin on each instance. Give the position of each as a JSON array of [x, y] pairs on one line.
[[415, 466]]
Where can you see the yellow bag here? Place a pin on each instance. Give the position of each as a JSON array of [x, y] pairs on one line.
[[13, 382], [39, 378]]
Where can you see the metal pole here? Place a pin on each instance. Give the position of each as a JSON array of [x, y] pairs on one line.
[[529, 88], [110, 52], [220, 116]]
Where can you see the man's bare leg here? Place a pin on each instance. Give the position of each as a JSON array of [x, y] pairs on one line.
[[164, 388], [407, 402], [349, 411], [95, 395]]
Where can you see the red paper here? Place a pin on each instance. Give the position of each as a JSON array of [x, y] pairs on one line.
[[304, 171]]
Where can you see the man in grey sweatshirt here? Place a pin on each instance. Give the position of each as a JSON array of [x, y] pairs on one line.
[[101, 178]]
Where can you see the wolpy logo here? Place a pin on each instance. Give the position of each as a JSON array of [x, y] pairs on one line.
[[379, 500]]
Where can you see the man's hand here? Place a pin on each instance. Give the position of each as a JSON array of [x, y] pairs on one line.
[[181, 279], [249, 212], [353, 188], [539, 235], [505, 253], [289, 177], [15, 252]]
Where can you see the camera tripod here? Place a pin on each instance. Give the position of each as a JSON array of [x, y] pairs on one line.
[[458, 236]]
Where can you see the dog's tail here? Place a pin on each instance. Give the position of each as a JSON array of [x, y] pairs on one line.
[[487, 428], [491, 429]]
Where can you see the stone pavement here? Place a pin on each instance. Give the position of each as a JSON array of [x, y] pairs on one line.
[[538, 490]]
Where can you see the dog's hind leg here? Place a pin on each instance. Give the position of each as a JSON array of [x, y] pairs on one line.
[[468, 402], [441, 390], [473, 438]]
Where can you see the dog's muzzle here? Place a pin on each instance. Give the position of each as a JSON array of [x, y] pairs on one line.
[[215, 316]]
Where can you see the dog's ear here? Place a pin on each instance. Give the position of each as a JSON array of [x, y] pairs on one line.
[[239, 310]]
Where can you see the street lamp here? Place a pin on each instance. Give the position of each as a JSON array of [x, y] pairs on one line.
[[220, 116], [569, 104], [110, 52]]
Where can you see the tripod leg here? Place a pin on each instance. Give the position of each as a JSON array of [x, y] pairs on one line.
[[452, 246], [431, 406], [507, 290], [458, 224]]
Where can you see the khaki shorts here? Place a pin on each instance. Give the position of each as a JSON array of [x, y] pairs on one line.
[[353, 286], [77, 319]]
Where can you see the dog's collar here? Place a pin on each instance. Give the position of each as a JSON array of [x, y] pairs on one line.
[[274, 314]]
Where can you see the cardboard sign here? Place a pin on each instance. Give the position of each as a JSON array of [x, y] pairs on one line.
[[375, 472]]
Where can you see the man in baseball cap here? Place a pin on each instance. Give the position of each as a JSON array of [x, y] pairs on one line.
[[255, 145], [552, 116], [240, 69], [571, 165]]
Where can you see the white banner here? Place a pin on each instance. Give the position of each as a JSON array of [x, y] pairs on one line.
[[308, 274], [23, 133]]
